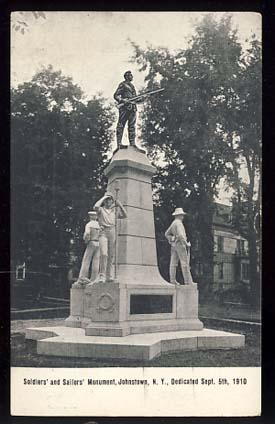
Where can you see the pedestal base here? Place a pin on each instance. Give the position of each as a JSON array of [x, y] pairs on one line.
[[114, 309], [142, 327], [72, 342]]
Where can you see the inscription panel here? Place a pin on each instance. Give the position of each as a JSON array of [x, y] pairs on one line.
[[151, 304]]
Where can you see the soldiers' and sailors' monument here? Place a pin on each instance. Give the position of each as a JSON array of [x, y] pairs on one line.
[[120, 306]]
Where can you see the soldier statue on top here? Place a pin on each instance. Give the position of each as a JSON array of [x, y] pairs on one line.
[[128, 111], [127, 99]]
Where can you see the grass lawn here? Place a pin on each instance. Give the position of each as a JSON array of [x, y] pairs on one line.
[[244, 313], [24, 353]]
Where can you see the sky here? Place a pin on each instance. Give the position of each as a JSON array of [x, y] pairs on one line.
[[94, 48]]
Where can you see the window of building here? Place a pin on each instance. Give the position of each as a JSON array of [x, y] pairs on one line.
[[215, 243], [218, 243], [229, 245], [245, 271], [226, 240], [226, 217], [20, 272], [220, 267], [243, 247]]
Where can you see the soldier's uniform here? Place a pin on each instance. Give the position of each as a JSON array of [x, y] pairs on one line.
[[107, 236], [91, 255], [127, 112], [176, 236]]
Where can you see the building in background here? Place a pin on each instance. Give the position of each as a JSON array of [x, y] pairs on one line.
[[231, 263]]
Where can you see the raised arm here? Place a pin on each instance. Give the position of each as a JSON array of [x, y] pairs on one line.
[[122, 210], [100, 201]]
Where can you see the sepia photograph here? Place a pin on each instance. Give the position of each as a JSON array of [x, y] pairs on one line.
[[136, 157]]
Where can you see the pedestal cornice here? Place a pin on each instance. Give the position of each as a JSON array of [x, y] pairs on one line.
[[130, 158]]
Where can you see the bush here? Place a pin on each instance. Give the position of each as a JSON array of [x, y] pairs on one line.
[[239, 294]]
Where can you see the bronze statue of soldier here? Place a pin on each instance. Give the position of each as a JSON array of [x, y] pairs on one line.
[[128, 111], [127, 99]]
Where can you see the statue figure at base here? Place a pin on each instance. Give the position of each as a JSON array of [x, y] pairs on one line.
[[106, 215], [180, 248], [91, 254]]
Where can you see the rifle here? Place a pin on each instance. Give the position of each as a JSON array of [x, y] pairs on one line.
[[140, 96]]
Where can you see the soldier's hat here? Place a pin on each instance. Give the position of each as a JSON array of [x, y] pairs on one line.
[[127, 72], [92, 213], [179, 211]]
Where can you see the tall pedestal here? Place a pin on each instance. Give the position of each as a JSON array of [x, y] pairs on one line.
[[137, 258], [140, 301]]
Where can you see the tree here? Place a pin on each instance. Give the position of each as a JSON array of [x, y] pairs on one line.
[[59, 146], [19, 20], [248, 144], [187, 127]]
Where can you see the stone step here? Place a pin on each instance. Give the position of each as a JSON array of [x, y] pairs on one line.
[[72, 342]]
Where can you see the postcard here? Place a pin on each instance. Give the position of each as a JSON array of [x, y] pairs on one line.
[[135, 213]]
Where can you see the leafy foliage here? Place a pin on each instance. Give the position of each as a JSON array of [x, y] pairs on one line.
[[248, 144], [21, 25], [193, 126], [59, 147]]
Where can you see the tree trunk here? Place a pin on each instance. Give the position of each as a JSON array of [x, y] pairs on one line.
[[252, 236], [253, 267], [205, 225]]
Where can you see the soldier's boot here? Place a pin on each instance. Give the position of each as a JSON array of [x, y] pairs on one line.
[[187, 275], [132, 137], [119, 144], [172, 272], [133, 143]]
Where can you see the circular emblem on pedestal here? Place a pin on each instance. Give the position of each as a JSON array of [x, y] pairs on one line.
[[106, 303]]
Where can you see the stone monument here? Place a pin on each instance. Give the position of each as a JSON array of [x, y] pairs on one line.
[[140, 300], [136, 315]]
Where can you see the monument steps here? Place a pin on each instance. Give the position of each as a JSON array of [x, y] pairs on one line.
[[72, 342]]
